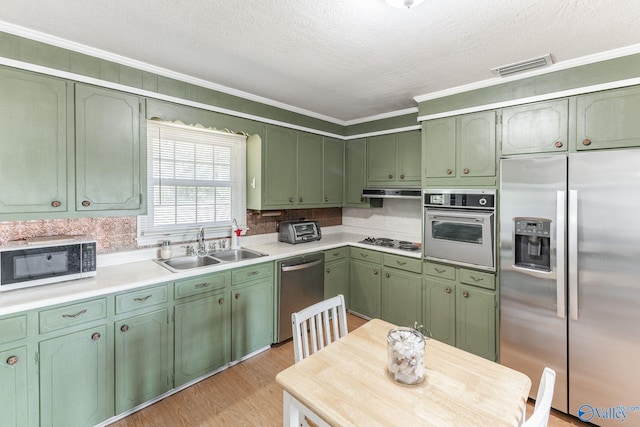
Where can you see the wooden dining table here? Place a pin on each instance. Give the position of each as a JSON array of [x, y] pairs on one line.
[[347, 384]]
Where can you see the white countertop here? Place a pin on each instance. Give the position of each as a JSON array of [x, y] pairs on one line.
[[131, 270]]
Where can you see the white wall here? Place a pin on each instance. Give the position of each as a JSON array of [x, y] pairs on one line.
[[397, 219]]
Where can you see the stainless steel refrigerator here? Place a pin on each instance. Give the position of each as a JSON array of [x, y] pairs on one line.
[[570, 278]]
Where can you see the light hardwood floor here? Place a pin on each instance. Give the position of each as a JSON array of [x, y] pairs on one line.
[[245, 395]]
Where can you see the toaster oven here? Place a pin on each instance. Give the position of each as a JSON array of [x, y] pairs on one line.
[[299, 231]]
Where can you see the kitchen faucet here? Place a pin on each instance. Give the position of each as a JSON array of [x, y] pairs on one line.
[[202, 248]]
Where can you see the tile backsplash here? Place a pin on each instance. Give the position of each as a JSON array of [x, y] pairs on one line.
[[117, 234]]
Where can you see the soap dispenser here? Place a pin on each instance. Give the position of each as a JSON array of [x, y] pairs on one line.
[[236, 232]]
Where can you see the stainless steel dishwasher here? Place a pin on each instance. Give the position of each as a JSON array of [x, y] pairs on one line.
[[301, 285]]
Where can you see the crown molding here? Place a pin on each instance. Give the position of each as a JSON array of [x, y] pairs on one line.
[[572, 63], [382, 116]]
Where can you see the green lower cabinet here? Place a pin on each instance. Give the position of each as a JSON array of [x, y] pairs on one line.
[[476, 321], [202, 336], [401, 297], [336, 279], [439, 305], [251, 317], [142, 359], [14, 395], [365, 285], [76, 379]]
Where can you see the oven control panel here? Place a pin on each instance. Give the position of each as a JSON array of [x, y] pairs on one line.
[[469, 199]]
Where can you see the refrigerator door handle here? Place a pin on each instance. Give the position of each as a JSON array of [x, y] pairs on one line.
[[573, 254], [561, 262]]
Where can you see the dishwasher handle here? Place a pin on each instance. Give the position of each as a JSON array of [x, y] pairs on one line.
[[302, 266]]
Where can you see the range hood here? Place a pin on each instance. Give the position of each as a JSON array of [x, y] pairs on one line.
[[392, 193]]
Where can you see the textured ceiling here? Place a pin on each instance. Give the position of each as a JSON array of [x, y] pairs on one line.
[[343, 59]]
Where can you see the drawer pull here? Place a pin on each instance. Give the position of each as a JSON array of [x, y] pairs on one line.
[[363, 255], [477, 279], [252, 273], [73, 316], [439, 271], [402, 262], [142, 299], [336, 254], [448, 290], [95, 336], [465, 294], [201, 285], [124, 328], [12, 360]]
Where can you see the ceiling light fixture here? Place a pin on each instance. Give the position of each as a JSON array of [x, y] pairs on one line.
[[404, 4]]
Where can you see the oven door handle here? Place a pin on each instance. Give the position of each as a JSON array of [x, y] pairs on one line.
[[461, 217]]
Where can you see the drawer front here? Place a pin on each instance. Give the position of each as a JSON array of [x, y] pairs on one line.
[[366, 255], [440, 270], [254, 272], [141, 299], [335, 254], [202, 284], [403, 263], [73, 314], [13, 328], [477, 278]]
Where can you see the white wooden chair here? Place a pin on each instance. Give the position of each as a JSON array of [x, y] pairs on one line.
[[318, 326], [540, 416]]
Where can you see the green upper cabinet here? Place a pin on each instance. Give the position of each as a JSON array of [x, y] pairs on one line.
[[110, 158], [460, 150], [309, 169], [355, 169], [608, 119], [333, 174], [535, 128], [394, 159], [33, 143], [290, 169]]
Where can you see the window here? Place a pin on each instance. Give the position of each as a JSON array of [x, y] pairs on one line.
[[196, 178]]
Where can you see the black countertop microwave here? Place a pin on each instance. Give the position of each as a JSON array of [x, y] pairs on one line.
[[45, 260]]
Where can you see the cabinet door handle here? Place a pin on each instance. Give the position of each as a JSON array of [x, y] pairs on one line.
[[201, 285], [449, 171], [465, 294], [221, 301], [300, 199], [465, 171], [86, 203], [448, 290], [237, 296], [390, 176], [476, 279], [326, 199], [586, 142], [142, 299], [73, 316], [290, 199], [124, 328], [401, 176], [558, 144], [56, 204], [12, 360], [95, 336], [328, 270], [375, 272], [387, 275]]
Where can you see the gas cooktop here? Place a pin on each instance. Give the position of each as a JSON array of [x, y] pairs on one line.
[[391, 243]]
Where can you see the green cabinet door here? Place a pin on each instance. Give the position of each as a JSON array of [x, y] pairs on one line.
[[476, 151], [280, 170], [439, 148], [608, 119], [76, 379], [381, 155], [336, 279], [401, 297], [536, 128], [251, 317], [14, 397], [110, 171], [33, 144], [309, 169], [476, 321], [365, 286], [355, 172], [142, 362], [439, 309], [202, 336], [408, 159], [333, 174]]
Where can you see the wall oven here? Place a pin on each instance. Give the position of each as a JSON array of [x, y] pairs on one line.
[[459, 227]]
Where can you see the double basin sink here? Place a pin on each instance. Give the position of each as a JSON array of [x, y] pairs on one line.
[[188, 262]]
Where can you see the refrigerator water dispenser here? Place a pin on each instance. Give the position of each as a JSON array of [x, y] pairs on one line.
[[532, 243]]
